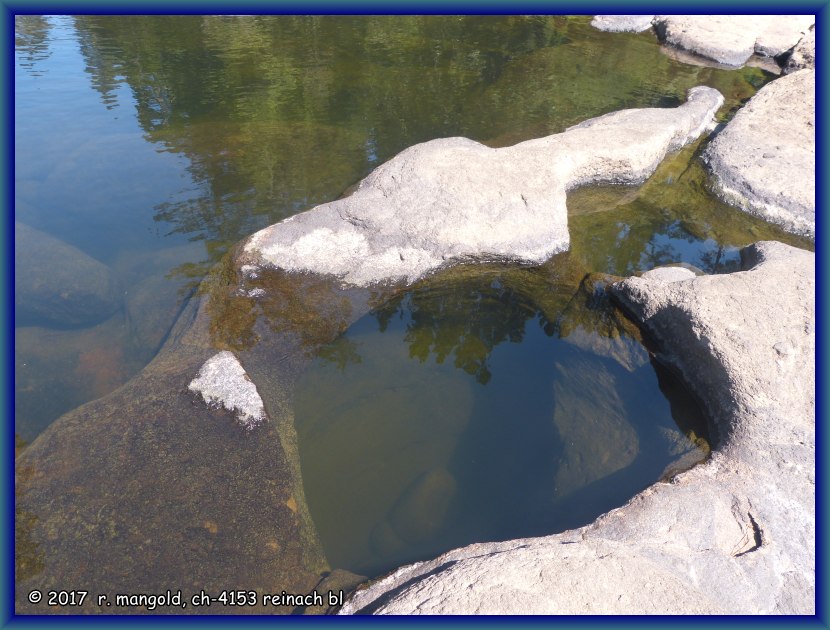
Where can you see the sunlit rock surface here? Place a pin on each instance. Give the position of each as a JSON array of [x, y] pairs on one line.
[[727, 39], [804, 54], [735, 535], [622, 23], [764, 161], [455, 199], [223, 382]]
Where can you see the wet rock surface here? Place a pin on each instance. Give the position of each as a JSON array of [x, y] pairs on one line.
[[57, 284], [734, 535], [764, 161], [453, 199], [149, 489]]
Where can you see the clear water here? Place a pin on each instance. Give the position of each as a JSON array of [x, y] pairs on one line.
[[153, 143], [469, 412]]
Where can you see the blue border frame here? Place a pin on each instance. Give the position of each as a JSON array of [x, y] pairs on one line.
[[9, 9]]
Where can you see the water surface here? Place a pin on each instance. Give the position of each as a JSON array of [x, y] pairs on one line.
[[470, 412], [152, 144]]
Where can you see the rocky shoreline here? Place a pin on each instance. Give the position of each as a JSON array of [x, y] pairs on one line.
[[454, 200], [730, 40], [735, 535]]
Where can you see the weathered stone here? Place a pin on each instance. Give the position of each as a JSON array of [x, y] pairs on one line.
[[337, 582], [148, 489], [764, 161], [733, 39], [621, 23], [804, 54], [669, 274], [57, 284], [223, 382], [454, 199], [726, 39], [735, 535]]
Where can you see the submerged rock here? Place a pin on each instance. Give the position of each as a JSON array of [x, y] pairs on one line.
[[764, 161], [735, 535], [591, 419], [58, 370], [148, 489], [454, 199], [56, 284], [421, 509]]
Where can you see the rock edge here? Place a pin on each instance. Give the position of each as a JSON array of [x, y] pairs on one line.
[[735, 535]]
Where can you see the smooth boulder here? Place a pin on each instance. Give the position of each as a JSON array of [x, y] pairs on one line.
[[622, 23], [726, 39], [57, 284], [764, 161], [454, 200]]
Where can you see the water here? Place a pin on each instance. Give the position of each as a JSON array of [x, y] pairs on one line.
[[152, 144], [469, 411]]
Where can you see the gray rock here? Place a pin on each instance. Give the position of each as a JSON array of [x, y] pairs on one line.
[[764, 161], [621, 23], [56, 284], [223, 382], [669, 274], [804, 54], [453, 199], [734, 535], [733, 39]]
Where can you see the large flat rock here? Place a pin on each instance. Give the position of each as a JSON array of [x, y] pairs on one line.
[[735, 535], [727, 39], [454, 199], [733, 39], [622, 23], [764, 161]]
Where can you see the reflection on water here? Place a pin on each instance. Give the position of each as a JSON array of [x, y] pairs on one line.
[[31, 41], [151, 144], [137, 134], [464, 411]]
